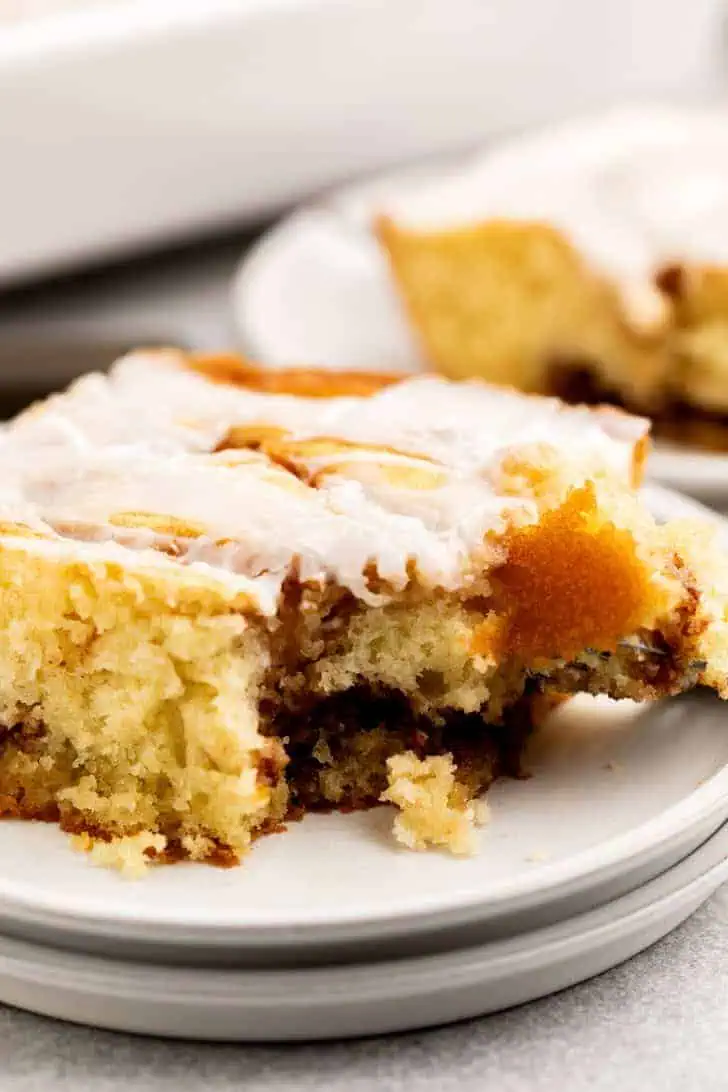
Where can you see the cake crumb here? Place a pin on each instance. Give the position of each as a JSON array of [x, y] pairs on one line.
[[130, 855], [197, 846], [538, 857], [434, 808]]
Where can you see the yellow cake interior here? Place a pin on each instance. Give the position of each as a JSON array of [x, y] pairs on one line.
[[515, 302]]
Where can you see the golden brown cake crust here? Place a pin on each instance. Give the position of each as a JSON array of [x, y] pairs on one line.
[[230, 368]]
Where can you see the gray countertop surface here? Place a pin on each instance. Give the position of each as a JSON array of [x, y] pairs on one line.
[[658, 1022], [655, 1024]]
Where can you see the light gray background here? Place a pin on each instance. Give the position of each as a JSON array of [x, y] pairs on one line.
[[659, 1022]]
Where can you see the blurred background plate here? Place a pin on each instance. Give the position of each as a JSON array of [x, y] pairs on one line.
[[135, 122], [702, 474]]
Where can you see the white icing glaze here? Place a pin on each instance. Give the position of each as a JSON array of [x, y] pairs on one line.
[[140, 441], [632, 189]]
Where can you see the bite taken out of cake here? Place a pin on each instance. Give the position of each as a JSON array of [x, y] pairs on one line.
[[230, 596]]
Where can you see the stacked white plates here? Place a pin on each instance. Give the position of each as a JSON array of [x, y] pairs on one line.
[[330, 929], [351, 999]]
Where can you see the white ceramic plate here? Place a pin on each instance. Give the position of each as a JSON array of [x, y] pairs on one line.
[[316, 290], [701, 474], [618, 794], [362, 999]]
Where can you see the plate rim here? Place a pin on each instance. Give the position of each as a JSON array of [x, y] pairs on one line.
[[598, 939]]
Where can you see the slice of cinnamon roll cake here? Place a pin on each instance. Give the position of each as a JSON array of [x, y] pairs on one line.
[[231, 596]]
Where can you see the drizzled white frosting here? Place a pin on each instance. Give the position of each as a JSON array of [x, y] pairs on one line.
[[632, 189], [420, 487]]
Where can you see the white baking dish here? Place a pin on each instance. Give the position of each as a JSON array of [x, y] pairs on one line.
[[128, 123]]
